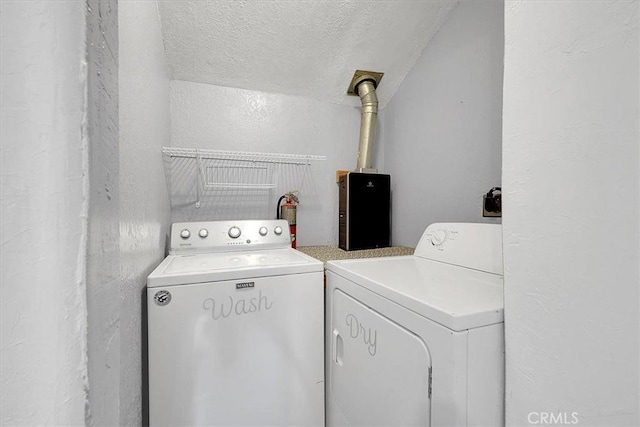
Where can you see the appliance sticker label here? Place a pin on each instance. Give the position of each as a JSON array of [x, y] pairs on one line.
[[369, 336], [245, 285], [225, 307]]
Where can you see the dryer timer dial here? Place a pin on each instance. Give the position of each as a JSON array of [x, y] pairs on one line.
[[438, 237]]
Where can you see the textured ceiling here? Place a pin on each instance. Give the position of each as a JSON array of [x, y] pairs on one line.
[[298, 47]]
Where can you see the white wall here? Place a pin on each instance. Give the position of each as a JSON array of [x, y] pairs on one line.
[[441, 131], [43, 176], [571, 211], [103, 257], [144, 206], [215, 117]]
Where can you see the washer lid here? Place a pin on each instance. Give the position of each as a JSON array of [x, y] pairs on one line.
[[187, 269], [456, 297]]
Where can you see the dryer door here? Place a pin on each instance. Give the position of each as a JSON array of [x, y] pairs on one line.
[[380, 371]]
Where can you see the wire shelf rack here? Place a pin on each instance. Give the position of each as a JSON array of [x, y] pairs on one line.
[[218, 184]]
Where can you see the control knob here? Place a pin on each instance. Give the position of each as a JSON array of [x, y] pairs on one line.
[[203, 233], [263, 231], [234, 232], [438, 237], [277, 230], [185, 234]]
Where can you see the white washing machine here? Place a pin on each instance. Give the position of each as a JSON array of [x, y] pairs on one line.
[[235, 320], [419, 340]]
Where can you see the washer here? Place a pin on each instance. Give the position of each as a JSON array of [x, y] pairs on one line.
[[419, 340], [235, 328]]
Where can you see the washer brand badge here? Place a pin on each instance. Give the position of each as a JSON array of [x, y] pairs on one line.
[[370, 184], [162, 298], [245, 285]]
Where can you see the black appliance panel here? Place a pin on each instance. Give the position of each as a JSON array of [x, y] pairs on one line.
[[364, 211]]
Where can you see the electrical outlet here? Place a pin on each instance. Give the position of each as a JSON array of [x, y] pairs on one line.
[[492, 203]]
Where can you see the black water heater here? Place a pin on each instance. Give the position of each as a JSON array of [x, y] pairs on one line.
[[364, 211]]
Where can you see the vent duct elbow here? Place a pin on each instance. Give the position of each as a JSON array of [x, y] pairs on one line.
[[364, 85], [367, 93]]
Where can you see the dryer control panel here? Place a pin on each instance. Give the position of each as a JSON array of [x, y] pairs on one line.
[[225, 236], [472, 245]]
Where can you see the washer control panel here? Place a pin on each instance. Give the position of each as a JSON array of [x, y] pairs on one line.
[[223, 236]]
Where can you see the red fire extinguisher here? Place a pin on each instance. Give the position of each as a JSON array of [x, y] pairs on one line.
[[288, 211]]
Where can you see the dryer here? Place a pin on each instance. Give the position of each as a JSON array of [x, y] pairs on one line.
[[419, 340], [235, 320]]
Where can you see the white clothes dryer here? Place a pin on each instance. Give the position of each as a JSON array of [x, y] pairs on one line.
[[419, 340], [235, 328]]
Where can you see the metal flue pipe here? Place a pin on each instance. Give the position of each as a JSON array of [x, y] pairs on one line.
[[366, 90]]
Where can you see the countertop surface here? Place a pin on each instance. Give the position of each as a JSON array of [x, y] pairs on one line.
[[330, 253]]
